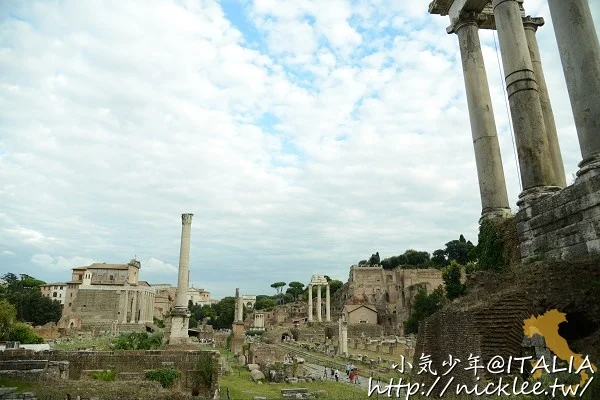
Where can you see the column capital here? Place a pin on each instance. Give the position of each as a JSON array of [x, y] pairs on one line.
[[186, 219], [533, 23], [465, 18]]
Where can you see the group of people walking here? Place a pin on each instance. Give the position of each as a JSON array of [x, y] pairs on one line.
[[351, 373]]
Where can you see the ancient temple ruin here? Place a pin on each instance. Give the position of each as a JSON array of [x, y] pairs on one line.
[[554, 219]]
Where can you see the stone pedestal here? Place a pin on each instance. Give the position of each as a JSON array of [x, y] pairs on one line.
[[179, 327], [565, 226]]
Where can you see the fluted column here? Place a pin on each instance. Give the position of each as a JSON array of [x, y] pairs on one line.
[[492, 183], [580, 56], [531, 25], [310, 304], [319, 314], [126, 307], [327, 304], [134, 318], [184, 262], [537, 172]]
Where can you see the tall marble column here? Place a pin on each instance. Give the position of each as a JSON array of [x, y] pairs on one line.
[[126, 307], [319, 314], [537, 172], [531, 26], [492, 183], [310, 304], [184, 262], [327, 304], [180, 315], [135, 317], [580, 56]]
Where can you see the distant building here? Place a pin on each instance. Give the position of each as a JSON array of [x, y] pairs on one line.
[[55, 291], [199, 296], [103, 295], [360, 314], [249, 301]]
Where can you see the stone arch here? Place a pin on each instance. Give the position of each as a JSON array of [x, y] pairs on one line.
[[286, 334]]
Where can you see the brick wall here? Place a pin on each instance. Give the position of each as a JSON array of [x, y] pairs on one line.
[[563, 226], [200, 369]]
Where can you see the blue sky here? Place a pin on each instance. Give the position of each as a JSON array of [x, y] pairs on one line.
[[303, 135]]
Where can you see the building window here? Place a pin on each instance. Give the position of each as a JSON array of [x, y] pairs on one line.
[[69, 304], [54, 294], [111, 277]]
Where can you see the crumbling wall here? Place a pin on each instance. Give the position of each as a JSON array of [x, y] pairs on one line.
[[200, 369], [489, 320], [564, 226]]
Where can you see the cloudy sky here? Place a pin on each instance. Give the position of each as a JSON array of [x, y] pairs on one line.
[[304, 135]]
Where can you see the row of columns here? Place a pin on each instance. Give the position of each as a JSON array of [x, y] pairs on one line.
[[540, 160], [138, 305], [319, 307]]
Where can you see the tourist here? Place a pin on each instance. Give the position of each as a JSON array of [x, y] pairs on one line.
[[337, 375], [325, 373]]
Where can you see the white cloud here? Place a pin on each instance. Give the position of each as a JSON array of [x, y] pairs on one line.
[[111, 130], [8, 253]]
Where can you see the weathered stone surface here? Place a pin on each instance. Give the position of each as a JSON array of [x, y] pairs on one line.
[[256, 375], [563, 226]]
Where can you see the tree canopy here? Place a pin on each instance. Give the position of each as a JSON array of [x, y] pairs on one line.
[[24, 294]]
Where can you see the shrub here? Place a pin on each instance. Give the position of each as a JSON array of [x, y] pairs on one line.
[[138, 341], [24, 333], [106, 375], [166, 377]]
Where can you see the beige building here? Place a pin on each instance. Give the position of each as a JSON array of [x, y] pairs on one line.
[[360, 314], [55, 291], [199, 296], [391, 291], [104, 295]]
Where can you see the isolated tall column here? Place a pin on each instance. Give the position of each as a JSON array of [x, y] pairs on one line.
[[327, 304], [310, 303], [580, 56], [492, 183], [537, 172], [180, 316], [531, 25]]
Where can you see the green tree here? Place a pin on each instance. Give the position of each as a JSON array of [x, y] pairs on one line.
[[8, 316], [264, 303], [459, 250], [278, 286], [24, 333], [295, 289], [31, 306], [335, 285], [424, 305], [451, 276], [439, 258]]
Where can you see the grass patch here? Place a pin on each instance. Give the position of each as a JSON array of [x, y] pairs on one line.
[[240, 388], [21, 386], [106, 375], [100, 344]]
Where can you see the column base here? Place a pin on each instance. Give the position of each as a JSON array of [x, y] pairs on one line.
[[534, 194], [493, 213], [589, 167]]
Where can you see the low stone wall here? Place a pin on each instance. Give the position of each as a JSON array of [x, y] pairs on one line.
[[261, 352], [200, 369], [564, 226]]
